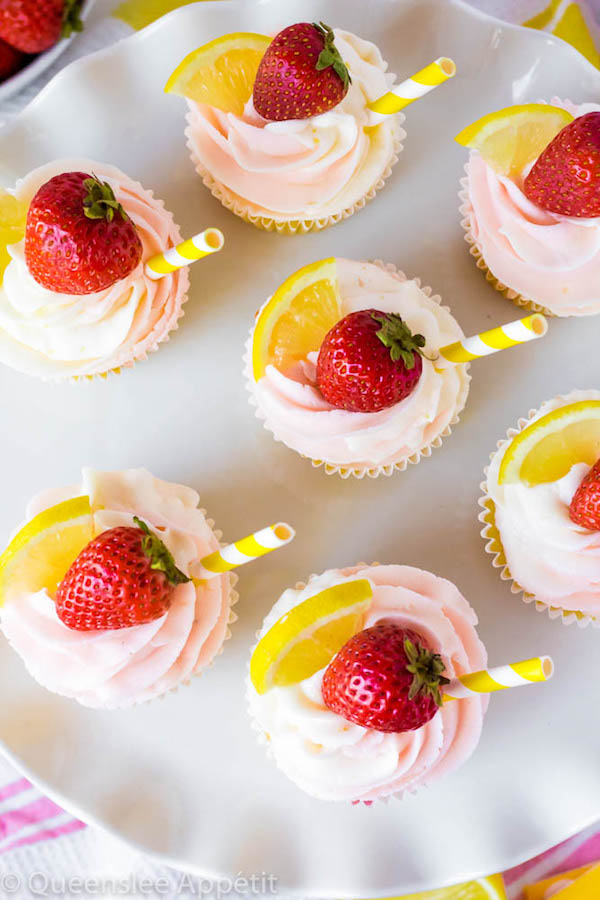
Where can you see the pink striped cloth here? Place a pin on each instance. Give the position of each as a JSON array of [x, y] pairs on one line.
[[27, 817], [578, 851]]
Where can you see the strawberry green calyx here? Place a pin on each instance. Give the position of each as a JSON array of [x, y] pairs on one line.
[[427, 669], [100, 202], [330, 55], [71, 18], [160, 558], [397, 336]]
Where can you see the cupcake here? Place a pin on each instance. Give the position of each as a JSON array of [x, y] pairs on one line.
[[541, 508], [96, 594], [279, 129], [75, 298], [400, 633], [341, 367], [531, 204]]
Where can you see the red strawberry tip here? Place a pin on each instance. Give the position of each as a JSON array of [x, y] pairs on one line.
[[72, 21], [427, 669], [161, 559], [100, 201], [399, 339], [330, 55], [584, 509]]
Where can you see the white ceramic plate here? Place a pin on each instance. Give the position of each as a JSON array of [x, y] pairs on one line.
[[39, 63], [183, 778]]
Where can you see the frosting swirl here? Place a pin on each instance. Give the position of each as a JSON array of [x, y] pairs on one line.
[[548, 555], [296, 412], [110, 669], [309, 168], [550, 259], [333, 759], [56, 335]]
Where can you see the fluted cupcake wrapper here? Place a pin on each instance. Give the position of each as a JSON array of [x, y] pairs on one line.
[[466, 211], [264, 740], [239, 206], [366, 471], [494, 547]]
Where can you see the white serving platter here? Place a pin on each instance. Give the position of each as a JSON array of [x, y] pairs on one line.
[[41, 62], [183, 778]]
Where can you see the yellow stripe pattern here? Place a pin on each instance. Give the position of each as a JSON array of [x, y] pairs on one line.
[[201, 245], [567, 20], [412, 89], [519, 332], [575, 887], [541, 668], [243, 551]]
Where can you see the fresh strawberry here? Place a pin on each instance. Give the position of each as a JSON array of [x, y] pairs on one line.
[[11, 60], [368, 361], [36, 25], [385, 678], [78, 238], [585, 505], [302, 74], [566, 177], [124, 577]]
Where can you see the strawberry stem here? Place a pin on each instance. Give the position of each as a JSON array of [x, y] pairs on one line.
[[71, 18], [100, 201], [397, 336], [427, 669], [159, 556], [330, 55]]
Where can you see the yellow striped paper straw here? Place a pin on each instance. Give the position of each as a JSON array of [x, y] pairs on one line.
[[500, 679], [518, 332], [209, 241], [410, 90], [244, 551]]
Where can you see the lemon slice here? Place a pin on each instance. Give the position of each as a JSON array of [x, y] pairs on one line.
[[41, 553], [297, 317], [513, 137], [491, 888], [13, 217], [309, 635], [548, 448], [221, 73]]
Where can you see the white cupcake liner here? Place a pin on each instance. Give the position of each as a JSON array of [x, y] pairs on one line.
[[357, 471], [151, 348], [239, 206], [264, 741], [466, 211], [493, 542]]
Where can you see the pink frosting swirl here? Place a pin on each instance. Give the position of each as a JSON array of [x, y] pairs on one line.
[[549, 259], [548, 555], [302, 169], [333, 759], [58, 336], [113, 669]]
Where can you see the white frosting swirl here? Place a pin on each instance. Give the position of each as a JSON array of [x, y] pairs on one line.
[[548, 555], [56, 335], [302, 169], [296, 412], [333, 759], [110, 669]]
